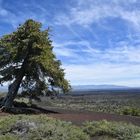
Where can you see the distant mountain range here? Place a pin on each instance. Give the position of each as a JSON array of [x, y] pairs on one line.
[[87, 87], [98, 87]]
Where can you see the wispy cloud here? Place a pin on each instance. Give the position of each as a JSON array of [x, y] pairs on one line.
[[105, 73], [88, 12], [122, 52], [98, 41]]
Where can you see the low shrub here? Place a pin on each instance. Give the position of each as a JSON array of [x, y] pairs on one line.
[[39, 127], [8, 137], [130, 111], [119, 130]]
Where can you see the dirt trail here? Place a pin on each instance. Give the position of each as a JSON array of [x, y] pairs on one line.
[[79, 117]]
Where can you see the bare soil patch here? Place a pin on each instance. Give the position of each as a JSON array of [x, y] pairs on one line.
[[79, 117], [76, 117]]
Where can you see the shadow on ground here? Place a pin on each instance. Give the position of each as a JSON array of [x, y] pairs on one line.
[[23, 108]]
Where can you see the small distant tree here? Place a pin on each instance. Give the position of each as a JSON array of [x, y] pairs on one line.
[[27, 61]]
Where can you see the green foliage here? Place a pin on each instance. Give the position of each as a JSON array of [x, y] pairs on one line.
[[121, 131], [9, 137], [38, 128], [109, 102], [104, 138], [5, 123], [130, 111], [27, 58], [137, 136]]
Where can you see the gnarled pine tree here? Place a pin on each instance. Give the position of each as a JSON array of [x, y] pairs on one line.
[[27, 60]]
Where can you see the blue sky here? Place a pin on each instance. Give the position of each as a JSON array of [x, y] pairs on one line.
[[98, 41]]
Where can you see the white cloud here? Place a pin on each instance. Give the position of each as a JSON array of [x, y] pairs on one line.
[[121, 52], [131, 16], [104, 74], [128, 54], [119, 65], [3, 12], [87, 12], [65, 52]]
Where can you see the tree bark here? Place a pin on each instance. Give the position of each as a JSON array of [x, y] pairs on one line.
[[14, 87], [12, 92]]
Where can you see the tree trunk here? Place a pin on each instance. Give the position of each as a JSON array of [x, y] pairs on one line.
[[12, 92], [14, 87]]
